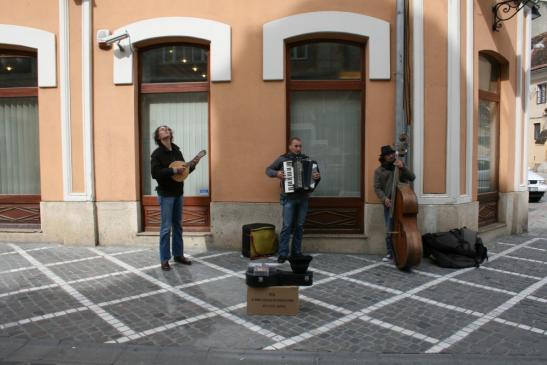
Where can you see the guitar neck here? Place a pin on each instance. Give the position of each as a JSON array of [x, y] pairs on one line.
[[199, 156]]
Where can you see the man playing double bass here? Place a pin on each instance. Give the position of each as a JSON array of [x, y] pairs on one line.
[[383, 185]]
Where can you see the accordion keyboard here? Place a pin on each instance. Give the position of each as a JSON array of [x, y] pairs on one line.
[[288, 183]]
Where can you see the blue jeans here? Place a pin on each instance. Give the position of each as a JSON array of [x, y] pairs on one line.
[[388, 222], [171, 216], [294, 215]]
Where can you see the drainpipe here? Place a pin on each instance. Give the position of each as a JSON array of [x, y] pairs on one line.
[[87, 108], [400, 117]]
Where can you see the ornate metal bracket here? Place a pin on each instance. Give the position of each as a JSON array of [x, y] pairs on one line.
[[506, 10]]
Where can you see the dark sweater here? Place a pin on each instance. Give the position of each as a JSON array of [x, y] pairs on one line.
[[160, 160], [383, 179], [277, 165]]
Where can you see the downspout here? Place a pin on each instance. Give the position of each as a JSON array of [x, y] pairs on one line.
[[402, 97], [87, 109]]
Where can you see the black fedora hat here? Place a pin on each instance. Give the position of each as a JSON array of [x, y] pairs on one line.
[[387, 150]]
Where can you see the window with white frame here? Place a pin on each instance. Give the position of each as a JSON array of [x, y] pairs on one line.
[[19, 153], [174, 91]]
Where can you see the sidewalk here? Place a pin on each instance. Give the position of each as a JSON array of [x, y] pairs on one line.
[[113, 305], [55, 352]]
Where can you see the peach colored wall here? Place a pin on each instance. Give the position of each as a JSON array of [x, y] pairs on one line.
[[76, 119], [43, 15], [248, 112], [503, 43], [435, 94], [247, 115]]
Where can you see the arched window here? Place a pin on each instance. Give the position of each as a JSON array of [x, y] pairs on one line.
[[325, 91], [174, 91], [488, 139], [19, 142]]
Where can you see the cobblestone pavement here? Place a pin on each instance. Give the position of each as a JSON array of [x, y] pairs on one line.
[[357, 303]]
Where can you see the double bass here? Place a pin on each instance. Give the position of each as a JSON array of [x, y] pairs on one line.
[[406, 238]]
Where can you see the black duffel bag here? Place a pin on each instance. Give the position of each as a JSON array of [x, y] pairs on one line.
[[457, 248]]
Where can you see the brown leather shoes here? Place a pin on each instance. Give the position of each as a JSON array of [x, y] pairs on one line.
[[182, 260], [165, 266]]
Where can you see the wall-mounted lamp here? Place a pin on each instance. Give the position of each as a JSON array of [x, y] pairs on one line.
[[505, 10], [105, 40]]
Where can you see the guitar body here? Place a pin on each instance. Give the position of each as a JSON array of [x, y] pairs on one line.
[[186, 172], [407, 240]]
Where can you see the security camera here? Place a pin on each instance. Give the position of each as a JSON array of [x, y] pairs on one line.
[[115, 38], [106, 40]]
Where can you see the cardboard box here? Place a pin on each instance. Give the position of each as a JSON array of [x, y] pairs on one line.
[[273, 300]]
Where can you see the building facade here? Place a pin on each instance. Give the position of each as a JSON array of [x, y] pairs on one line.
[[537, 127], [84, 83]]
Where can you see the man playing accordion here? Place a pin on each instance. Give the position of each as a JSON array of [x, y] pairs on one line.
[[294, 200]]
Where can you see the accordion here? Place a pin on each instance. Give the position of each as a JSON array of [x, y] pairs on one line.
[[298, 175]]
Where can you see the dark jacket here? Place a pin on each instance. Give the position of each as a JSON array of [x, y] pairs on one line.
[[277, 165], [160, 160], [383, 179]]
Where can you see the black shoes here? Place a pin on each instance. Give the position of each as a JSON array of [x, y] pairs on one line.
[[165, 266], [182, 260], [281, 259]]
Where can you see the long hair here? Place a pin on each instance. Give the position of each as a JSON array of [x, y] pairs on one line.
[[157, 134]]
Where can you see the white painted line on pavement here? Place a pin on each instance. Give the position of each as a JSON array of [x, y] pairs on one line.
[[17, 270], [480, 286], [28, 290], [320, 303], [190, 298], [120, 253], [527, 247], [72, 261], [8, 253], [521, 326], [212, 255], [496, 312], [400, 330], [219, 268], [525, 259], [398, 297], [29, 250], [510, 273], [107, 317], [159, 291], [42, 317]]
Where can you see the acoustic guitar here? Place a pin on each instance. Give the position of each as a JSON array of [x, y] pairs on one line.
[[186, 165]]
